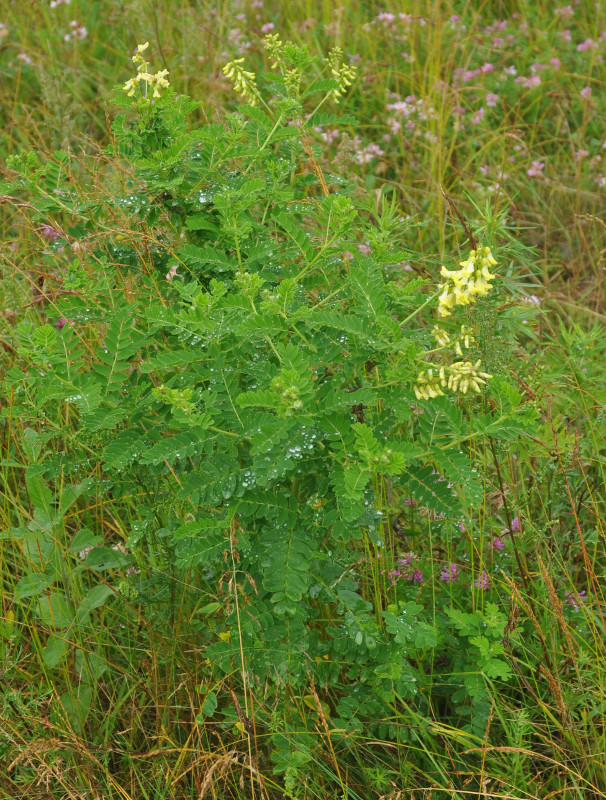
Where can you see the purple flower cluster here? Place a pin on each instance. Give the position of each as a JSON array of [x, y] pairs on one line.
[[449, 573], [403, 571], [575, 599], [483, 582], [49, 233]]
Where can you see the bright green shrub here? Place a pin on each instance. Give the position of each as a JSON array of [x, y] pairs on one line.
[[263, 399]]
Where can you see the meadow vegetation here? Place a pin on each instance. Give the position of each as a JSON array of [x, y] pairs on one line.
[[302, 401]]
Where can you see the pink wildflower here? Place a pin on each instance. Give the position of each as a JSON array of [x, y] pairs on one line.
[[172, 273], [416, 576], [449, 573], [50, 234], [585, 93], [393, 575], [565, 35], [478, 116], [535, 169], [564, 11], [515, 524], [329, 136], [492, 99], [555, 63], [575, 599], [268, 27], [77, 32], [307, 24], [530, 82], [369, 152], [402, 107], [497, 543], [588, 44], [61, 323], [483, 582]]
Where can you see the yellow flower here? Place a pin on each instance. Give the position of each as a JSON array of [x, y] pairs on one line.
[[445, 302], [463, 376], [464, 285], [274, 46], [464, 295], [244, 81], [466, 339], [442, 337], [131, 85], [342, 73], [429, 384], [154, 82]]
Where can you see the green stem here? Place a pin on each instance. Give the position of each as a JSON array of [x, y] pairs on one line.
[[307, 267], [317, 108], [225, 433], [421, 307], [266, 142], [237, 247]]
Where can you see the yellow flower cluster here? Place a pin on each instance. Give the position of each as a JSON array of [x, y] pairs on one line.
[[460, 288], [442, 337], [342, 73], [154, 82], [244, 81], [464, 376], [429, 384], [465, 339], [274, 46], [461, 376], [464, 285]]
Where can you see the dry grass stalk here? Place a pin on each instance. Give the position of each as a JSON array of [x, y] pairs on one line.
[[555, 600]]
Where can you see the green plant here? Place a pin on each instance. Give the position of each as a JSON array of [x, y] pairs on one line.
[[259, 410]]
